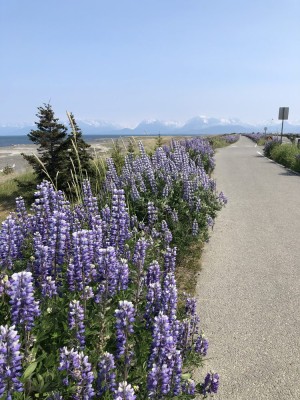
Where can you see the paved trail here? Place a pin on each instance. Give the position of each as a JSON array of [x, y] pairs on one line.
[[249, 288]]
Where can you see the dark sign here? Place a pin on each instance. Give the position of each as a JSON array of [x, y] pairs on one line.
[[283, 113]]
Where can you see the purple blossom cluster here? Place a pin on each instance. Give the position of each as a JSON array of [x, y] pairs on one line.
[[111, 275], [125, 392], [211, 384], [106, 379], [231, 138], [165, 362], [76, 322], [11, 240], [125, 316], [78, 371], [10, 362], [24, 308], [255, 137]]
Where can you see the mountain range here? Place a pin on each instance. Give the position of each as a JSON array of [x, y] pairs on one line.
[[199, 125]]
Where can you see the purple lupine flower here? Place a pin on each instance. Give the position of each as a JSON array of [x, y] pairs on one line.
[[195, 228], [133, 221], [162, 338], [211, 384], [164, 362], [169, 296], [177, 371], [10, 362], [24, 309], [190, 308], [152, 213], [198, 205], [97, 229], [107, 273], [105, 213], [47, 201], [153, 273], [42, 265], [11, 240], [183, 335], [122, 275], [139, 254], [201, 345], [119, 230], [170, 259], [174, 216], [153, 304], [222, 199], [188, 387], [106, 379], [49, 288], [59, 236], [135, 196], [79, 271], [90, 202], [23, 218], [147, 168], [187, 189], [209, 221], [79, 370], [166, 190], [88, 293], [138, 261], [190, 305], [125, 392], [125, 316], [112, 180], [167, 234], [76, 322]]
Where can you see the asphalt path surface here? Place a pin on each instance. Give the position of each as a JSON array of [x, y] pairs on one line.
[[249, 288]]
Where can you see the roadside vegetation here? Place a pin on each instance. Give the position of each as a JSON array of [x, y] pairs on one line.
[[258, 138], [91, 302], [219, 141], [285, 154]]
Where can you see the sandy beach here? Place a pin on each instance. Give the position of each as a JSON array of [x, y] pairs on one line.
[[12, 155]]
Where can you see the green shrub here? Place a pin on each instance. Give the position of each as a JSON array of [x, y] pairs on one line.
[[285, 154], [261, 142], [296, 166], [269, 146]]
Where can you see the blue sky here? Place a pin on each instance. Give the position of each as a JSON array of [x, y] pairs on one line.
[[128, 60]]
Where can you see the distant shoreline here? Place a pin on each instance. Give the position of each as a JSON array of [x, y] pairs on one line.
[[18, 140]]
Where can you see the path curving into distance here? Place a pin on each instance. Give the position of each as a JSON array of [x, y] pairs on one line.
[[249, 288]]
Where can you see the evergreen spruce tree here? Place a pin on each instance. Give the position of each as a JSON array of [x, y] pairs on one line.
[[75, 159], [49, 136]]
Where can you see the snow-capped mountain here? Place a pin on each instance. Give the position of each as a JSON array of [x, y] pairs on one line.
[[195, 126]]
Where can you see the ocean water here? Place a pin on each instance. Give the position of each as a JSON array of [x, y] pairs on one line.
[[23, 139], [15, 140]]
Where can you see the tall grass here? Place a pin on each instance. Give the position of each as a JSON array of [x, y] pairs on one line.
[[11, 188]]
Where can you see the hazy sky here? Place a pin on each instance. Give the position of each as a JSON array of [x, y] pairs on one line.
[[128, 60]]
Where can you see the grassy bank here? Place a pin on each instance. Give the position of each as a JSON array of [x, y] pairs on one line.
[[9, 190], [285, 154]]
